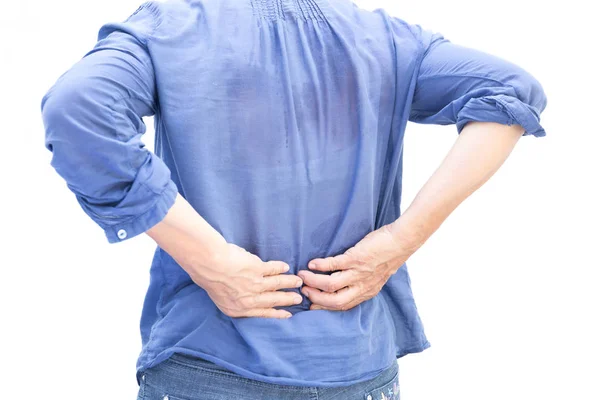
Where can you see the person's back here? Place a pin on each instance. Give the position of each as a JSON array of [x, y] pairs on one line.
[[281, 122]]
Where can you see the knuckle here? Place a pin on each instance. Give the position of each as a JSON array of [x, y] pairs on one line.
[[341, 260], [257, 281], [360, 286], [272, 302], [351, 256], [271, 268], [338, 304], [245, 302], [333, 264]]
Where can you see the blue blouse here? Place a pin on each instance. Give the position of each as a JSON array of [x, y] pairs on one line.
[[282, 123]]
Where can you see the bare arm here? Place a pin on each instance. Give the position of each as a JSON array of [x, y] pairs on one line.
[[188, 238], [205, 255], [478, 152], [492, 102], [240, 283]]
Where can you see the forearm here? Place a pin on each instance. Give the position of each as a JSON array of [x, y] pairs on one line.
[[479, 151], [239, 283], [187, 237]]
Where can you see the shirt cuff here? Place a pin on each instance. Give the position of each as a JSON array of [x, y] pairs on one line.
[[503, 109], [141, 223]]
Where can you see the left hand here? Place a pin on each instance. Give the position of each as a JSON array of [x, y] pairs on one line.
[[360, 272]]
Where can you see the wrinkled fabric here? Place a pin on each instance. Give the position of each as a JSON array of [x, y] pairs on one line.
[[282, 123], [190, 378]]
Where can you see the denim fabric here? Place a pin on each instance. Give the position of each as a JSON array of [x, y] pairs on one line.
[[183, 377]]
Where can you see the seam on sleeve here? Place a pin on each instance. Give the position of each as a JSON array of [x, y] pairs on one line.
[[80, 199], [435, 76], [157, 21], [420, 62], [408, 26], [151, 6], [150, 208], [142, 38], [423, 50]]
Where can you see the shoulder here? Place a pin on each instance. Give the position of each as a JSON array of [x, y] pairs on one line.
[[156, 17], [405, 35]]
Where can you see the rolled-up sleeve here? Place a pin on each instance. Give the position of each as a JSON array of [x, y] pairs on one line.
[[457, 84], [93, 126]]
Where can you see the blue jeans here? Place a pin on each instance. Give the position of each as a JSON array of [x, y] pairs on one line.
[[189, 378]]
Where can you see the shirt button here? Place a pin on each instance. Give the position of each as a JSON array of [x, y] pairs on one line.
[[122, 233], [166, 397], [369, 397]]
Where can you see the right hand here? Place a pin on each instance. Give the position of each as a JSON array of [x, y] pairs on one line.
[[242, 285]]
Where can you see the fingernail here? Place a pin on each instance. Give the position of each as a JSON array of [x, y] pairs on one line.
[[312, 265], [298, 300], [305, 292], [299, 283], [286, 268]]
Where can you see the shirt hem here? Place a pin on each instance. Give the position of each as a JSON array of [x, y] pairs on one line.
[[164, 355]]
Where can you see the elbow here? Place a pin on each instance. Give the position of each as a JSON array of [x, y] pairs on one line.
[[66, 109], [68, 115], [52, 112], [57, 113]]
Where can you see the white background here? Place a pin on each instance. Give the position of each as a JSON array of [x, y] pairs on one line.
[[507, 287]]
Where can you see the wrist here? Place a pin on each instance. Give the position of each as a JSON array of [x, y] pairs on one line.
[[211, 256], [204, 264], [408, 234]]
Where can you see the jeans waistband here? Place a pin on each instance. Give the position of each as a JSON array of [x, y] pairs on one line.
[[195, 361]]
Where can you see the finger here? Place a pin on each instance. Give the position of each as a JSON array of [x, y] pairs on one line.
[[327, 283], [274, 268], [335, 300], [335, 263], [268, 313], [273, 299], [281, 281]]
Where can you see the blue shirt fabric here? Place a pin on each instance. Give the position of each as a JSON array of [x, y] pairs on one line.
[[282, 123]]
